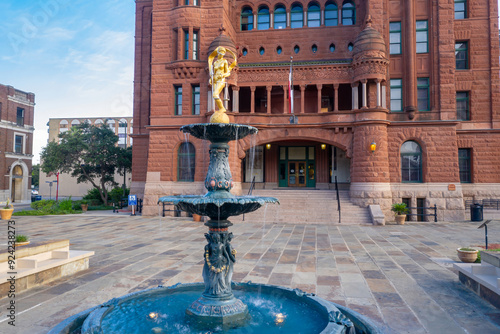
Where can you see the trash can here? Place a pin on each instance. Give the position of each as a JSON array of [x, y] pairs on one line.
[[476, 212]]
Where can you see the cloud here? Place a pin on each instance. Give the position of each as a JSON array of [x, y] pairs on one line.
[[57, 34]]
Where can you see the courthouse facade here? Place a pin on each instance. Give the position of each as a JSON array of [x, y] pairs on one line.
[[396, 100]]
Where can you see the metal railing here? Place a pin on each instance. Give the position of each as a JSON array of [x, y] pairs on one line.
[[252, 186], [139, 205], [338, 199], [423, 214], [487, 203], [168, 209]]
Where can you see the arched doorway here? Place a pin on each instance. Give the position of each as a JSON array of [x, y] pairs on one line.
[[297, 163], [17, 184]]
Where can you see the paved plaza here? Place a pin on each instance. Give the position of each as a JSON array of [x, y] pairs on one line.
[[398, 275]]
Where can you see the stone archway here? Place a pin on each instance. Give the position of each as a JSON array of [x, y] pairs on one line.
[[322, 153], [18, 182]]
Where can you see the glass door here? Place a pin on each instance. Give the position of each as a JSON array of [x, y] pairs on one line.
[[296, 174]]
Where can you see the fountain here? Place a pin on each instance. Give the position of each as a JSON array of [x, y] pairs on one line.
[[224, 306]]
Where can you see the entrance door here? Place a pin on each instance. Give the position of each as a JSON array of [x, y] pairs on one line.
[[296, 173]]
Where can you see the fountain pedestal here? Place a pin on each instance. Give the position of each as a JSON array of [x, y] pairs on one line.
[[218, 306]]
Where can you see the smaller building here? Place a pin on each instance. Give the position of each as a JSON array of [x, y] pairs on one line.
[[122, 126], [16, 144]]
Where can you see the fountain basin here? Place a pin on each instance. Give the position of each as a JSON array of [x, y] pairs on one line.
[[219, 132], [272, 309], [218, 205]]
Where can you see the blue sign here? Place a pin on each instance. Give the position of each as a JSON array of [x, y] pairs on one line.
[[132, 199]]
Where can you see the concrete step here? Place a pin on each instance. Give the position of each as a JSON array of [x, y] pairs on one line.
[[307, 206]]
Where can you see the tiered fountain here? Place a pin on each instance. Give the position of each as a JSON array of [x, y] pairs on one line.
[[251, 307]]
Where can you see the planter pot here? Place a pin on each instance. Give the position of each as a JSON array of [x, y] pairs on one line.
[[24, 243], [196, 217], [6, 214], [467, 256], [400, 219], [85, 207]]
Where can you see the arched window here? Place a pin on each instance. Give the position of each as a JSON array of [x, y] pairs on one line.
[[63, 126], [313, 15], [111, 124], [331, 14], [411, 162], [263, 22], [122, 133], [75, 122], [246, 19], [98, 121], [296, 16], [186, 162], [279, 17], [348, 13]]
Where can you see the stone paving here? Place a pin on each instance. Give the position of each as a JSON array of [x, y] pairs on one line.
[[398, 275]]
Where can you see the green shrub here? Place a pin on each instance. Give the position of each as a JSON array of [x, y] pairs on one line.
[[100, 207], [93, 196], [43, 204], [77, 205], [116, 194], [66, 205], [21, 238], [399, 208]]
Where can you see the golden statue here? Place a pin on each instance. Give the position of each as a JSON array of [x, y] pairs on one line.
[[219, 71]]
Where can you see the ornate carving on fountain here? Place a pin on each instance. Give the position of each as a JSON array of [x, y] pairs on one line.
[[219, 175]]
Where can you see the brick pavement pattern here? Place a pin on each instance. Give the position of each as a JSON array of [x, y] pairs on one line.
[[388, 273]]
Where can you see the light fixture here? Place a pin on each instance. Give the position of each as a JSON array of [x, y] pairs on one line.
[[323, 146], [373, 146], [268, 146]]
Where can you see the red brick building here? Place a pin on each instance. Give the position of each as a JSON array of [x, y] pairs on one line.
[[420, 79], [16, 144]]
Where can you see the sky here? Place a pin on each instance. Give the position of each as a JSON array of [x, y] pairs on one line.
[[76, 56]]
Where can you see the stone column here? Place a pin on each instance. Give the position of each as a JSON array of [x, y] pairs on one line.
[[410, 58], [384, 95], [285, 98], [302, 98], [226, 97], [269, 88], [319, 87], [180, 43], [190, 45], [210, 100], [252, 99], [363, 94], [379, 97], [354, 87], [336, 97], [236, 98]]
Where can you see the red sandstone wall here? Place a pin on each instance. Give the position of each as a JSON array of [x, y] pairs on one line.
[[485, 157], [439, 151]]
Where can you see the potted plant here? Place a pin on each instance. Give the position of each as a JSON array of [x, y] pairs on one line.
[[22, 240], [6, 210], [196, 217], [467, 254], [400, 210], [85, 205]]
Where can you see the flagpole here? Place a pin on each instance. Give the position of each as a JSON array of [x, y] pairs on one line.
[[291, 86]]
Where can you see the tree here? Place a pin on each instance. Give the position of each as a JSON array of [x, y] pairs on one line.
[[35, 175], [89, 153]]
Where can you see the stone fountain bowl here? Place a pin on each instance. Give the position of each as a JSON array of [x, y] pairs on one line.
[[272, 309], [216, 206], [219, 132]]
